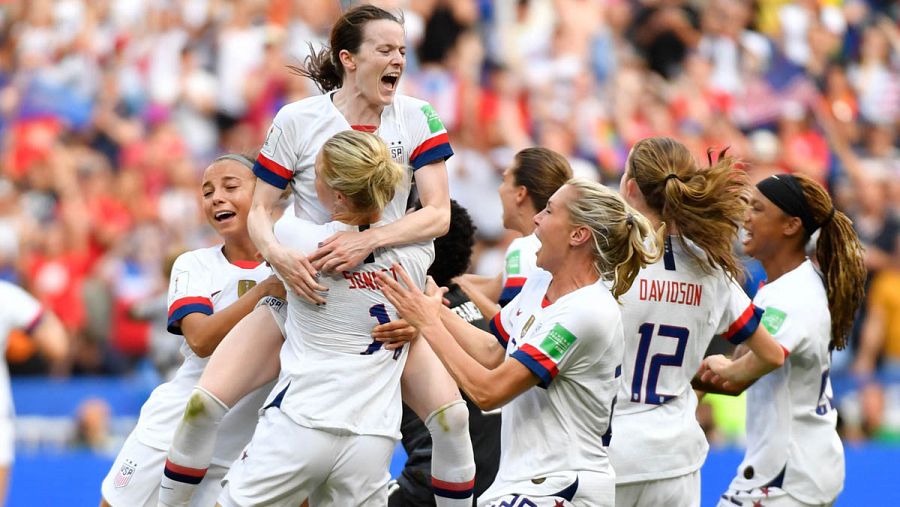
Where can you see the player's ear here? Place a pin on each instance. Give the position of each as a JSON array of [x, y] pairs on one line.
[[521, 194], [347, 59], [579, 236], [792, 226]]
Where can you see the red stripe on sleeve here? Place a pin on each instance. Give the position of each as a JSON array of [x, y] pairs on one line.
[[515, 281], [740, 322], [275, 167], [499, 325], [542, 359], [189, 301], [428, 144]]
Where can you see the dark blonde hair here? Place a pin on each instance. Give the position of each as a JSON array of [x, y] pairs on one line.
[[541, 171], [707, 206], [359, 165], [324, 67], [622, 240], [840, 257]]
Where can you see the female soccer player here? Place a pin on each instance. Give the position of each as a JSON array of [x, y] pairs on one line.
[[671, 314], [562, 333], [360, 73], [535, 174], [330, 431], [210, 290], [20, 310], [794, 455]]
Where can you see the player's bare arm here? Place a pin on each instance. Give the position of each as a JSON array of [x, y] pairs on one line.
[[293, 266]]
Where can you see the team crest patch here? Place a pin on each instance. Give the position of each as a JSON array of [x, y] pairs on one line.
[[512, 263], [557, 342], [773, 319], [434, 121], [527, 326], [271, 143], [181, 284], [244, 286], [125, 474]]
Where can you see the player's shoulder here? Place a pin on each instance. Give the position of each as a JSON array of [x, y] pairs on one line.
[[801, 290], [201, 259], [299, 110], [10, 291]]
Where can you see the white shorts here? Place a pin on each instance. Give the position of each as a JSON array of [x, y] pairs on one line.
[[764, 497], [681, 491], [278, 307], [7, 442], [570, 489], [134, 479], [285, 463]]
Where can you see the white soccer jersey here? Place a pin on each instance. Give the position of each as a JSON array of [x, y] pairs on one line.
[[670, 314], [574, 346], [410, 127], [791, 438], [202, 281], [340, 378], [19, 311], [521, 260]]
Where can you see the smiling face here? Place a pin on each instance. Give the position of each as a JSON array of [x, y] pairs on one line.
[[227, 191], [375, 69], [553, 227], [764, 228]]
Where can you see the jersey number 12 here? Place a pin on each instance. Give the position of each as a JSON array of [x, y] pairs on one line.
[[650, 395]]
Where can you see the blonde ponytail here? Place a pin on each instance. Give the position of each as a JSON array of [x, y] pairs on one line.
[[359, 165], [623, 241]]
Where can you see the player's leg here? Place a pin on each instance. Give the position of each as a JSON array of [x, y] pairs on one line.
[[281, 466], [246, 359], [360, 475], [433, 395]]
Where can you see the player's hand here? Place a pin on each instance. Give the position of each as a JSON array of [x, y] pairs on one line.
[[414, 306], [272, 286], [342, 251], [715, 370], [298, 274], [395, 334]]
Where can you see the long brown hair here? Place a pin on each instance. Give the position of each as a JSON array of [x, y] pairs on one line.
[[622, 240], [541, 171], [840, 257], [324, 67], [706, 205]]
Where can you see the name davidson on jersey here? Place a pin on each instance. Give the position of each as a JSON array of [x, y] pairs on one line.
[[668, 291]]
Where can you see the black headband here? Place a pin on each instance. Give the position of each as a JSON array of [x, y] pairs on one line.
[[785, 192]]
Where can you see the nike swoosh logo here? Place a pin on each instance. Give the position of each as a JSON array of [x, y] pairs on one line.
[[164, 487], [214, 294]]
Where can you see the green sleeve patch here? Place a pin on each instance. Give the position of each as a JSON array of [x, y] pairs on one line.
[[557, 342], [773, 319], [513, 266], [434, 121]]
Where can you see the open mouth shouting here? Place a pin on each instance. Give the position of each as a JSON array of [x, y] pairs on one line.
[[390, 81], [224, 216]]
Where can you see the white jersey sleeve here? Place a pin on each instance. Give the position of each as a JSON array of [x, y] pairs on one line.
[[189, 290], [430, 141], [521, 259], [20, 310], [740, 316], [279, 154]]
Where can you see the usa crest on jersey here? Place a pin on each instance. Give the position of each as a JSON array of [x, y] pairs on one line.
[[125, 474]]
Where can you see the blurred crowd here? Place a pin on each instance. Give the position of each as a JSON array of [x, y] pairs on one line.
[[110, 110]]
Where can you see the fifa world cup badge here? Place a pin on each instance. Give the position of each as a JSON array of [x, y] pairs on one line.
[[125, 474], [244, 286]]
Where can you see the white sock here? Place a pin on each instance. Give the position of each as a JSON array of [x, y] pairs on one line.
[[452, 459], [191, 449]]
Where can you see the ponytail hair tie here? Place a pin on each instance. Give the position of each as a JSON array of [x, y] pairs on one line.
[[671, 176], [828, 218], [629, 220]]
